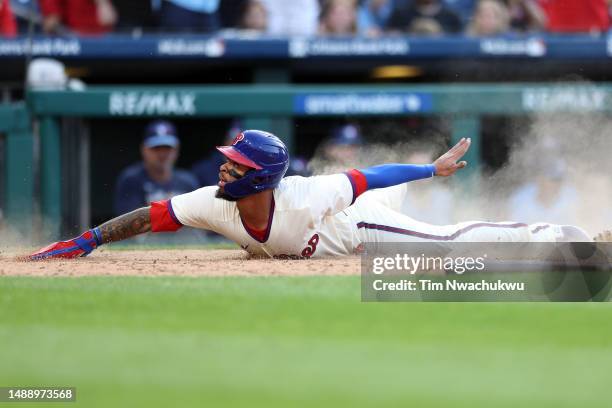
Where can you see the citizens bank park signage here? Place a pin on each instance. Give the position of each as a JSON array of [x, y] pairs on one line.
[[244, 46], [304, 47]]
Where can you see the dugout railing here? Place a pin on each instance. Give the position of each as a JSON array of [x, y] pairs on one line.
[[272, 107]]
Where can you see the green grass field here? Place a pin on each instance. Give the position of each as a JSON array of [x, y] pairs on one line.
[[294, 341]]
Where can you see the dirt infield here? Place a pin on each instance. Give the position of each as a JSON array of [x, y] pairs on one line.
[[189, 262]]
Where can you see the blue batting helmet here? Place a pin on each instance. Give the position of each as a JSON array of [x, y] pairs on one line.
[[264, 153]]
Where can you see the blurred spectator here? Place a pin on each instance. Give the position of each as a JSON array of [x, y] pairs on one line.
[[550, 198], [154, 178], [373, 15], [341, 151], [576, 16], [490, 18], [292, 17], [190, 15], [230, 12], [84, 17], [8, 25], [136, 16], [402, 17], [595, 202], [425, 27], [343, 146], [207, 169], [338, 17], [464, 8], [254, 16], [526, 15]]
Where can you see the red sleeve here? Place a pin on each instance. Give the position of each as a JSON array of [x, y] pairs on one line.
[[358, 181], [163, 218], [8, 26], [50, 7]]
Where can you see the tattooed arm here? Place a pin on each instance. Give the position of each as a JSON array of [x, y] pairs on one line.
[[117, 229], [126, 225]]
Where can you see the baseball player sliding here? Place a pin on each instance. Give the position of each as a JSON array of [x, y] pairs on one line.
[[306, 217]]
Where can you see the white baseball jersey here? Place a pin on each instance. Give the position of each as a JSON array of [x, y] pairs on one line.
[[301, 221], [316, 217]]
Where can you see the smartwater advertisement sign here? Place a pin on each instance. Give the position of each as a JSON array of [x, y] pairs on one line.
[[362, 103]]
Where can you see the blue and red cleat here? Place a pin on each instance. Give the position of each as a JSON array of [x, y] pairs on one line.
[[80, 246]]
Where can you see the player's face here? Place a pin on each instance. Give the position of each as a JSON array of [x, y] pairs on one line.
[[228, 172], [231, 171]]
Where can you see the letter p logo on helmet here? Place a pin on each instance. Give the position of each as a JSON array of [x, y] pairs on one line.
[[239, 137]]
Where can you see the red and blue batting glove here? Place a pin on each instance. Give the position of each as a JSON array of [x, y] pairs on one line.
[[82, 245]]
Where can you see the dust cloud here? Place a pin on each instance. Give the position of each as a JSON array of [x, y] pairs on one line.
[[558, 171]]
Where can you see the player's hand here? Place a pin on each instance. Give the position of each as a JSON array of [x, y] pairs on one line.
[[447, 165], [73, 248]]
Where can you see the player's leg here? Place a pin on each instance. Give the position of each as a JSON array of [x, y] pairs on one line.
[[545, 232], [378, 223]]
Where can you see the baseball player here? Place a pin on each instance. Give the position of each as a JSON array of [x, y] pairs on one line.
[[306, 217]]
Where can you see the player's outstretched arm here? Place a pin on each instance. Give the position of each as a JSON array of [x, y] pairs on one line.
[[387, 175], [117, 229], [126, 226]]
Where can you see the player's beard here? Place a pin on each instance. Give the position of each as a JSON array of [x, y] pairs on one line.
[[220, 193]]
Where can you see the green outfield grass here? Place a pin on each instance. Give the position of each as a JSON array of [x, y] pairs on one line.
[[295, 341]]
